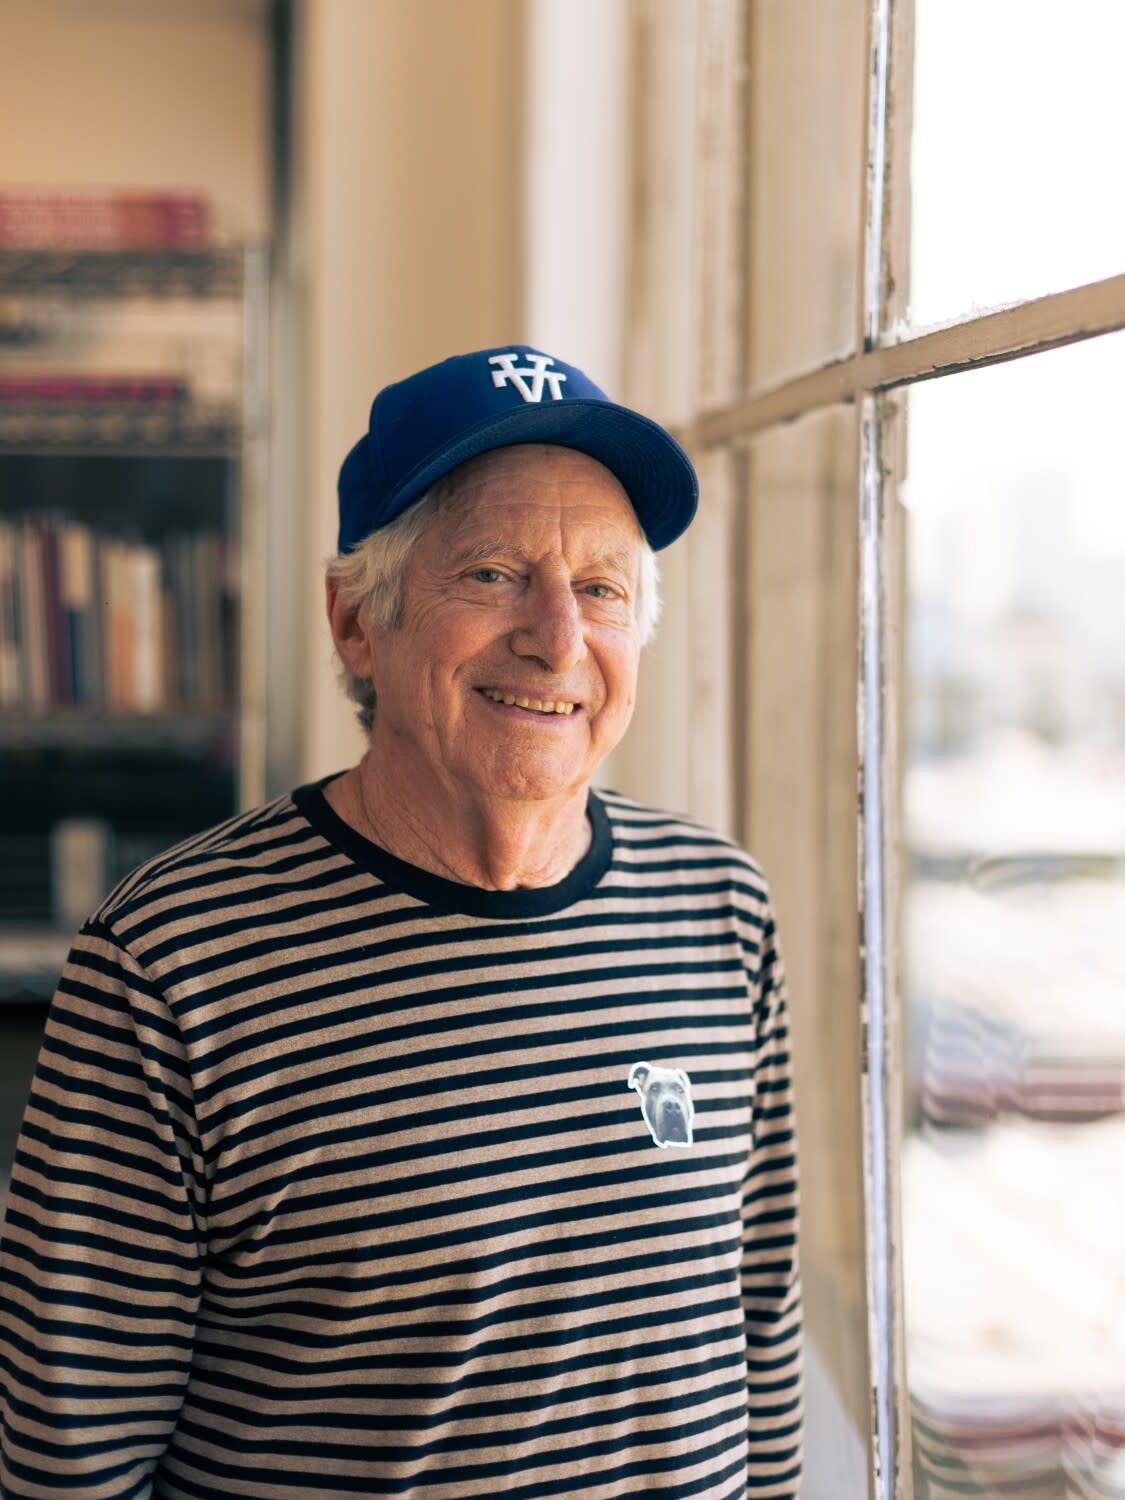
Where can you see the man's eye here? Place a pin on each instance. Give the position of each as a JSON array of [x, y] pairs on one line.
[[487, 575], [601, 591]]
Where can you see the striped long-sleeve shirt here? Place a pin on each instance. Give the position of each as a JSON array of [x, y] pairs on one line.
[[338, 1178]]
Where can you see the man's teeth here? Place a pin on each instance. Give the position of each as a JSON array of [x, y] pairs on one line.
[[539, 705]]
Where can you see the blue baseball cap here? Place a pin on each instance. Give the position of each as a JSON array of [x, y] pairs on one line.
[[427, 424]]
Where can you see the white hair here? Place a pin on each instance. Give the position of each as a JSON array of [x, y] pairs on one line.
[[372, 579]]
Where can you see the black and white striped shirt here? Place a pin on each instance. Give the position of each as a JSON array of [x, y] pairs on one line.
[[333, 1183]]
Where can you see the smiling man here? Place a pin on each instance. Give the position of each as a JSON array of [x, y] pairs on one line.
[[429, 1131], [510, 675]]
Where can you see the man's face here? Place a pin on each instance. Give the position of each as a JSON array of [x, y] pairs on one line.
[[524, 588]]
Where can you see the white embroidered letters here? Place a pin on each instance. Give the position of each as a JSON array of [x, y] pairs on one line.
[[536, 369]]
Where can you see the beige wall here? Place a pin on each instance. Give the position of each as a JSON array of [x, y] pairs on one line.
[[746, 714], [125, 94], [577, 181], [409, 119]]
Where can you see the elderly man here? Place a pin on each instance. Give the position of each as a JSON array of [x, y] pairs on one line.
[[428, 1132]]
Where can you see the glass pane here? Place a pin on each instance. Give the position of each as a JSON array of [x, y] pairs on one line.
[[806, 101], [1014, 1161], [1019, 116]]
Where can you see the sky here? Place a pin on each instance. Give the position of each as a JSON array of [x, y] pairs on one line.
[[1019, 119]]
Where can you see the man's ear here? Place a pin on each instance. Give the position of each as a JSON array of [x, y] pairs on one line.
[[348, 631]]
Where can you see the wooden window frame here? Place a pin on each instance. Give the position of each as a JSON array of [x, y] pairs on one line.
[[886, 361]]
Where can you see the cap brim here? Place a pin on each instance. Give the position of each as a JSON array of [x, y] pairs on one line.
[[655, 472]]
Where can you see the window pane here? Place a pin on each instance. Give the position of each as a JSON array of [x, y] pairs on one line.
[[806, 101], [1014, 1162], [1019, 115]]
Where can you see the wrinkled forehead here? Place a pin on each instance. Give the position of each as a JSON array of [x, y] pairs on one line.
[[528, 491]]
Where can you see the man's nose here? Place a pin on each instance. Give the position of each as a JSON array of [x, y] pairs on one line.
[[550, 631]]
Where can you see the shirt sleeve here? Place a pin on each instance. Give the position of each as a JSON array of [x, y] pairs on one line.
[[771, 1287], [102, 1255]]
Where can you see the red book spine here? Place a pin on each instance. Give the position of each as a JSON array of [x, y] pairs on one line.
[[50, 219], [92, 390]]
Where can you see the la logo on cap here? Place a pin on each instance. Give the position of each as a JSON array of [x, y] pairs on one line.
[[536, 369]]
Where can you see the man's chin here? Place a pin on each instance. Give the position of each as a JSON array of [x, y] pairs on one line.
[[518, 776]]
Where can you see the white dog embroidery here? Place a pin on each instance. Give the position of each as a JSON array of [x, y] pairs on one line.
[[665, 1102]]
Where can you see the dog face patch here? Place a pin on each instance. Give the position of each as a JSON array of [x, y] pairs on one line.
[[665, 1102]]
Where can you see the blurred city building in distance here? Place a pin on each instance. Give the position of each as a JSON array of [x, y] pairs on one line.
[[1014, 905], [1014, 780]]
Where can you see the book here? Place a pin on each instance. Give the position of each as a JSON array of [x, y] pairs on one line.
[[38, 219], [34, 669], [178, 584], [54, 618], [207, 580], [10, 689], [148, 683], [105, 622], [120, 631], [76, 598], [62, 389], [80, 874]]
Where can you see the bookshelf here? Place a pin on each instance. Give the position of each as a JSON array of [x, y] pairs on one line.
[[133, 417]]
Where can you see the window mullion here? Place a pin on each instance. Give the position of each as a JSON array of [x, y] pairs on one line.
[[993, 338], [889, 1436], [875, 183]]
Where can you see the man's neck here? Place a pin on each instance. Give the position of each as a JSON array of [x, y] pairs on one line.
[[497, 844]]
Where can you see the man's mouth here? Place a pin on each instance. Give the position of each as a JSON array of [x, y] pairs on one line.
[[536, 705]]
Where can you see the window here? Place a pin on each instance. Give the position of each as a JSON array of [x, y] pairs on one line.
[[906, 581]]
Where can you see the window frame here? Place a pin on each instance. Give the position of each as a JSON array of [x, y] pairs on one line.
[[888, 358]]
